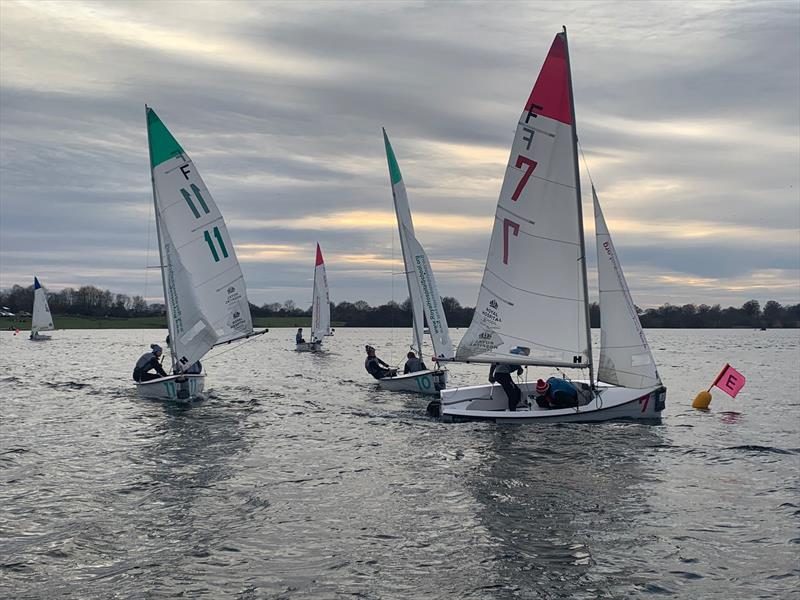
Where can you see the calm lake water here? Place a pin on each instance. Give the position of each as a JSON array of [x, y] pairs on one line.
[[298, 478]]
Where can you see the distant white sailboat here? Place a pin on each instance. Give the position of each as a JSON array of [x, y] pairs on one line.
[[320, 308], [41, 320], [425, 300], [204, 289], [532, 306]]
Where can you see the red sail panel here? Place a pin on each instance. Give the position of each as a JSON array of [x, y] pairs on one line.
[[550, 94], [319, 257]]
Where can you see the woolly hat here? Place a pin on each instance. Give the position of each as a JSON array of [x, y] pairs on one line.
[[542, 386], [155, 348]]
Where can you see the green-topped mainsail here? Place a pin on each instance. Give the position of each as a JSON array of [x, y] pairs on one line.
[[162, 145], [394, 170]]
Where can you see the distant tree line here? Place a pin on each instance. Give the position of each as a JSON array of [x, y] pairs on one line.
[[85, 301], [94, 302]]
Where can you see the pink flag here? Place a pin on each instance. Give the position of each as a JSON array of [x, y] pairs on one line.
[[729, 381]]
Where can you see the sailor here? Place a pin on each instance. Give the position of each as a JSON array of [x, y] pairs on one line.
[[413, 364], [501, 373], [375, 366], [298, 338], [148, 361], [195, 369], [543, 396], [556, 393]]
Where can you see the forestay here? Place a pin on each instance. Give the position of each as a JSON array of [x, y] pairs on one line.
[[625, 357], [320, 303], [533, 291], [203, 285], [41, 319]]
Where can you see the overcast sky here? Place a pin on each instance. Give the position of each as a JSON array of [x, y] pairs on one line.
[[688, 115]]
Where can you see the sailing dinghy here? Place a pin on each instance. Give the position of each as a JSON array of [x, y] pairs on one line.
[[532, 307], [425, 300], [41, 320], [320, 308], [204, 289]]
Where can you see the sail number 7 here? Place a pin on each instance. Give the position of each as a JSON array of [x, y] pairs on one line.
[[508, 224], [531, 164], [210, 242]]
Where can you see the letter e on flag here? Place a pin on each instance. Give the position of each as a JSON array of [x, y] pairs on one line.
[[730, 381]]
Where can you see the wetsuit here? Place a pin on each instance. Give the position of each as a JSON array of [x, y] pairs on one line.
[[501, 373], [298, 339], [413, 365], [375, 367], [144, 364]]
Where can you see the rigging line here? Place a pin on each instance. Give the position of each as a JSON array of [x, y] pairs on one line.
[[146, 268], [235, 347], [585, 163]]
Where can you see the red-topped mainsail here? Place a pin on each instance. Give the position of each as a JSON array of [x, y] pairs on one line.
[[319, 257], [550, 94]]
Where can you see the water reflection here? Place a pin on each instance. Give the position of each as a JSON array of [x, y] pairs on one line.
[[556, 500]]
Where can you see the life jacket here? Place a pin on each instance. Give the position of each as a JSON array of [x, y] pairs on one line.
[[562, 393], [413, 365], [144, 364], [372, 367]]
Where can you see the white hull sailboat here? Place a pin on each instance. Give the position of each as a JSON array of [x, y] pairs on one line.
[[421, 382], [174, 388], [532, 307], [41, 320], [204, 289], [426, 303], [320, 308]]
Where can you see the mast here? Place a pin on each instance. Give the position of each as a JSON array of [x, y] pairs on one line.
[[580, 212], [410, 282], [170, 331]]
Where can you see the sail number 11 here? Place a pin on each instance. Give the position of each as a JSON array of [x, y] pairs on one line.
[[212, 247]]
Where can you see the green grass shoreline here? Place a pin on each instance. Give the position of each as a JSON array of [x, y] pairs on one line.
[[78, 322]]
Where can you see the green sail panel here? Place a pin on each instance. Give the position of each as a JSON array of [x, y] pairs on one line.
[[162, 145], [394, 170]]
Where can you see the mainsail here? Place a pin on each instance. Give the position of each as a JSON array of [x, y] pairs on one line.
[[41, 320], [625, 357], [531, 307], [321, 303], [204, 288], [422, 289]]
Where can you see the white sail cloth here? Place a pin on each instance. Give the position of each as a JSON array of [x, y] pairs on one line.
[[205, 292], [320, 303], [531, 299], [431, 300], [625, 356], [41, 319], [425, 299]]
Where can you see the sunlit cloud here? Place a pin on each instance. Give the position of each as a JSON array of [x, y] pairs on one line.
[[369, 220]]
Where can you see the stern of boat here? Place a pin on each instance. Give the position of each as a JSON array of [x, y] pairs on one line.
[[174, 388], [421, 382]]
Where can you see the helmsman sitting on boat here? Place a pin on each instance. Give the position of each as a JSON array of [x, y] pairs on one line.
[[556, 393], [298, 338], [375, 366], [413, 364], [149, 360]]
